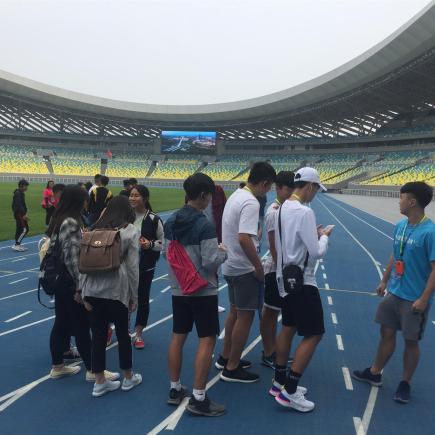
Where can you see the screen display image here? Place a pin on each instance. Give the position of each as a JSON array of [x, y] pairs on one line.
[[189, 142]]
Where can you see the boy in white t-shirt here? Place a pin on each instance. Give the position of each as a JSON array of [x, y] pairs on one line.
[[284, 184], [243, 270], [299, 242]]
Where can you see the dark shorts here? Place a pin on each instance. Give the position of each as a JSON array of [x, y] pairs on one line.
[[396, 313], [272, 299], [199, 310], [304, 312], [244, 291]]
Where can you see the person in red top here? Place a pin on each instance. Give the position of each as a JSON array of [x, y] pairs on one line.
[[48, 201]]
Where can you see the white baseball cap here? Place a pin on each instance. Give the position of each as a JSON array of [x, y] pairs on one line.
[[310, 175]]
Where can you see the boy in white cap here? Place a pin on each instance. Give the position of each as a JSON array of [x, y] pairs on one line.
[[299, 244]]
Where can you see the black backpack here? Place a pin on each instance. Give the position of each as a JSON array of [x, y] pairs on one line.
[[53, 274]]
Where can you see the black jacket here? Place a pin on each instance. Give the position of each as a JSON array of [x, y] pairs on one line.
[[19, 203]]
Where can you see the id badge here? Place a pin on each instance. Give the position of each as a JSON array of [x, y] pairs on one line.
[[400, 268]]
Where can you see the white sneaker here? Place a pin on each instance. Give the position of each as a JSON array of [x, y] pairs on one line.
[[107, 387], [110, 376], [277, 388], [221, 309], [128, 384], [18, 248], [295, 401], [57, 373]]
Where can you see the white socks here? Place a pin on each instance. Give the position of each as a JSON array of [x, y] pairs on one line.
[[176, 385], [199, 395]]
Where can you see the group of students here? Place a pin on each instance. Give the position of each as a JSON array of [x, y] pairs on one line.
[[219, 235]]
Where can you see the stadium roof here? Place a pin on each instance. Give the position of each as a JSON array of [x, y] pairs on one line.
[[395, 76]]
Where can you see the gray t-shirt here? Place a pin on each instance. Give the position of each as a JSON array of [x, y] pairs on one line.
[[240, 217]]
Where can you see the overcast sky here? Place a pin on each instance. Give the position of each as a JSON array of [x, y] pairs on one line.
[[189, 51]]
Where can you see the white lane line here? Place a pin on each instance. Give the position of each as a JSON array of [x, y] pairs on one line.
[[324, 276], [26, 326], [326, 286], [160, 277], [15, 258], [18, 259], [334, 318], [11, 397], [165, 289], [330, 300], [27, 243], [17, 317], [18, 294], [18, 280], [358, 426], [21, 271], [222, 334], [151, 301], [322, 267], [368, 412], [362, 220], [347, 378], [339, 342], [433, 321], [170, 422]]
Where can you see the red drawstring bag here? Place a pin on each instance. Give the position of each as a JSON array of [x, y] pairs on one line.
[[189, 279]]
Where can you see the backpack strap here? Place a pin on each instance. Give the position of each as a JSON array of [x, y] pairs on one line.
[[282, 248]]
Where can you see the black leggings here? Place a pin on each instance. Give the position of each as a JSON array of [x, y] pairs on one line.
[[143, 297], [48, 213], [22, 228], [71, 318], [105, 311]]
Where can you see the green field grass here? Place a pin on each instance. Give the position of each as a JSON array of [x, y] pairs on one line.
[[161, 199]]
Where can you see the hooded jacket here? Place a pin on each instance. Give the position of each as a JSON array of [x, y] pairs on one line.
[[19, 207], [198, 236]]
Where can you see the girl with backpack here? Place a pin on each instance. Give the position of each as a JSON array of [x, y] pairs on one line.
[[71, 317], [110, 296], [151, 237]]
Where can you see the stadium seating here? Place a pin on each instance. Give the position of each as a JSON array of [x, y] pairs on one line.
[[18, 160]]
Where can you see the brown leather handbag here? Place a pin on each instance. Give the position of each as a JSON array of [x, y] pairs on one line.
[[100, 250]]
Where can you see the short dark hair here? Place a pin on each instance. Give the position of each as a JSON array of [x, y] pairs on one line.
[[197, 184], [421, 191], [261, 171], [59, 187], [97, 177], [126, 183], [23, 183], [242, 185], [285, 178], [104, 180], [133, 181]]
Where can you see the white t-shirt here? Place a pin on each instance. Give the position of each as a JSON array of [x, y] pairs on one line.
[[269, 265], [240, 217], [299, 235]]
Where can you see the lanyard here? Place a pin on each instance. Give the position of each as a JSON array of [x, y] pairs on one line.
[[297, 197], [404, 241], [248, 189], [278, 201]]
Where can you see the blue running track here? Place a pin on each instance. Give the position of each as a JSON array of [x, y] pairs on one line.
[[30, 403]]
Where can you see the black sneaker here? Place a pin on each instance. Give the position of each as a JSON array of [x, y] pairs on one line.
[[239, 375], [268, 361], [367, 376], [403, 393], [176, 397], [206, 407], [222, 362]]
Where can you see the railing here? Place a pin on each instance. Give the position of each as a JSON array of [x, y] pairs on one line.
[[378, 193]]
